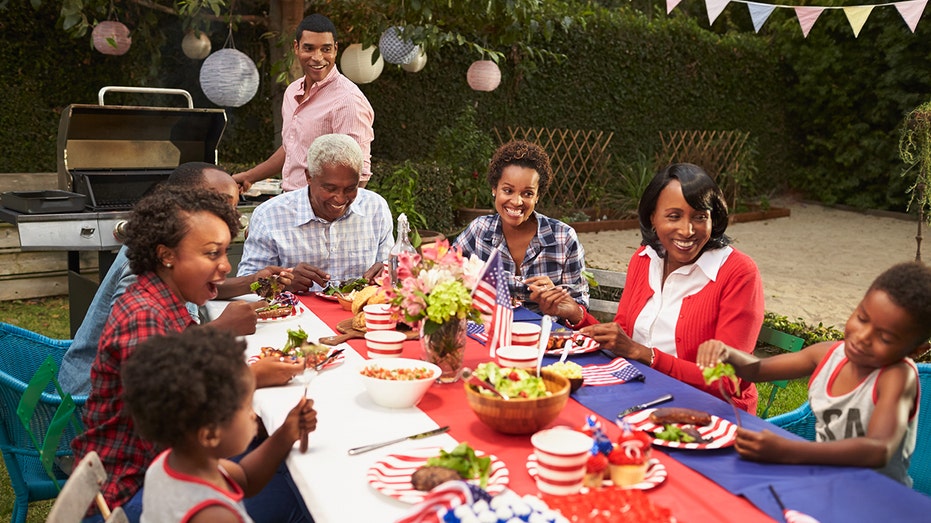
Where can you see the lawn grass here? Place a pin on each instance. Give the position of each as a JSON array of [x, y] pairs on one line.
[[49, 316]]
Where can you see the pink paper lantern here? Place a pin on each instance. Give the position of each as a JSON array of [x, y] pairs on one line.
[[483, 75], [111, 38]]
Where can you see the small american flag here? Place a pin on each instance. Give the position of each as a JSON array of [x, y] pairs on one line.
[[492, 298], [444, 497], [618, 371], [477, 332]]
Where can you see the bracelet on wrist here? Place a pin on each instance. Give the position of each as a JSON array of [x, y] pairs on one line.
[[575, 325], [652, 356]]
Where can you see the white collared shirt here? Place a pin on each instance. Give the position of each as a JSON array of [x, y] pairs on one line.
[[656, 324]]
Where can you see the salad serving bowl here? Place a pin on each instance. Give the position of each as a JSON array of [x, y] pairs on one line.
[[521, 415]]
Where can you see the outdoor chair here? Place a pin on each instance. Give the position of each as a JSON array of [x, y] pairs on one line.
[[786, 342], [82, 489], [605, 297], [37, 421], [801, 421]]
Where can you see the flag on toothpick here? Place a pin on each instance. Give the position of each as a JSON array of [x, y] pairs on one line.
[[493, 299]]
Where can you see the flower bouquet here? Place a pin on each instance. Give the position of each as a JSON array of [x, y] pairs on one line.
[[434, 293]]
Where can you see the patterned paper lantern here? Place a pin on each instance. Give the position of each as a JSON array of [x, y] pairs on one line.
[[229, 78], [418, 63], [356, 64], [394, 49], [196, 45], [111, 38], [483, 75]]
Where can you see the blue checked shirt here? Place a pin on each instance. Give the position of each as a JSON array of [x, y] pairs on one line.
[[555, 251], [284, 231]]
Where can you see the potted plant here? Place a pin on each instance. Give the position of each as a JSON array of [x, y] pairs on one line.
[[466, 150]]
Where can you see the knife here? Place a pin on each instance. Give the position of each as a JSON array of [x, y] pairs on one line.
[[635, 408], [427, 434]]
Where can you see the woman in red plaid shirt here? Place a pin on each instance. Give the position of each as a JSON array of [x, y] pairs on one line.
[[178, 240]]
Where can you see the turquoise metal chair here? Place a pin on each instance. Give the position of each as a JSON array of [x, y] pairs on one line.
[[801, 421], [37, 421], [786, 342]]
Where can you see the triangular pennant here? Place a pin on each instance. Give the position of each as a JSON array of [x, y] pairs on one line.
[[714, 9], [910, 11], [857, 16], [759, 13], [807, 17], [671, 4]]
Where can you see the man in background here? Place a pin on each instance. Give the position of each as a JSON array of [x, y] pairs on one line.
[[322, 102]]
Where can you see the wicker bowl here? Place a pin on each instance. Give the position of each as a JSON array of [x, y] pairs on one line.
[[521, 416]]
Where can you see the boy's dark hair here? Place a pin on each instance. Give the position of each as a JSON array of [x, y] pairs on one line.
[[699, 191], [909, 286], [175, 384], [315, 23], [189, 174], [161, 218]]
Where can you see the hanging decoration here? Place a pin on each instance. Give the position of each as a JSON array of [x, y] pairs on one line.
[[910, 10], [111, 38], [418, 63], [394, 49], [356, 64], [228, 77], [196, 45], [483, 75]]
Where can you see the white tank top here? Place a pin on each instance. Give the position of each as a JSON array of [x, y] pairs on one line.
[[848, 415], [170, 496]]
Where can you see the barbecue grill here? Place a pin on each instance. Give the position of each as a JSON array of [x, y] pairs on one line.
[[109, 156]]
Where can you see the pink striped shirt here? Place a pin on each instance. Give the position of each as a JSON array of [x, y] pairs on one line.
[[334, 105]]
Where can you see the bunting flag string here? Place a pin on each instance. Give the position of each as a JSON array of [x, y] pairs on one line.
[[909, 10]]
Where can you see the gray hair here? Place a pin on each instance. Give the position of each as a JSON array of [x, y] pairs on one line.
[[333, 150]]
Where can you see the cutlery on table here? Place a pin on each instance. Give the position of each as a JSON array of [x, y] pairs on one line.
[[567, 348], [427, 434], [309, 372], [652, 403], [470, 377], [546, 325]]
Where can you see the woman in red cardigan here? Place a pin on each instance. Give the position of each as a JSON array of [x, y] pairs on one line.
[[685, 285]]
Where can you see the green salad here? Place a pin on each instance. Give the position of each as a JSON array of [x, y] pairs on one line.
[[515, 383]]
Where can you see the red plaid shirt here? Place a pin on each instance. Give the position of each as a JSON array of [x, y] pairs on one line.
[[147, 308]]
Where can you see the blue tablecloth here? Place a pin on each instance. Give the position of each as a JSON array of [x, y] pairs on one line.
[[827, 493]]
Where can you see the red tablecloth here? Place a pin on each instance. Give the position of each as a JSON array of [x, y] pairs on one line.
[[690, 496]]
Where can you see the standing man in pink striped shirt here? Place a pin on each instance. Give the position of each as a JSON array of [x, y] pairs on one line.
[[322, 102]]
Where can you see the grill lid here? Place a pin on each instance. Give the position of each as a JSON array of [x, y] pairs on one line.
[[115, 154]]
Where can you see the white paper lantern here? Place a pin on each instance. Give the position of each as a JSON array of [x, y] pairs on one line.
[[483, 75], [394, 49], [418, 63], [111, 38], [229, 78], [356, 64], [196, 45]]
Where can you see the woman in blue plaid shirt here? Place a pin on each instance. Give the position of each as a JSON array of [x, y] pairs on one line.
[[542, 255]]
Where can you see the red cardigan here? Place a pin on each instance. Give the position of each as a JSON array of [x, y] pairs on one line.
[[729, 309]]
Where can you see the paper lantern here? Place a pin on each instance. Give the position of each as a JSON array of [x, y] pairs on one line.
[[483, 75], [356, 64], [111, 38], [229, 78], [196, 45], [418, 63], [394, 49]]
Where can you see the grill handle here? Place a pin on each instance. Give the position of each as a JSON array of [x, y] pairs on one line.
[[146, 90]]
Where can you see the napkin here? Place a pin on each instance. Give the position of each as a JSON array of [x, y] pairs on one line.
[[617, 371], [445, 497]]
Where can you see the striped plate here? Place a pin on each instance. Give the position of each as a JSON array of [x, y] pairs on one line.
[[723, 433]]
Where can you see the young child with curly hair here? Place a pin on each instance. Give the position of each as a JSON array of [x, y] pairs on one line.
[[191, 393], [863, 390]]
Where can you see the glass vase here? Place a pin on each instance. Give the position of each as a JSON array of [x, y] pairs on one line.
[[445, 347]]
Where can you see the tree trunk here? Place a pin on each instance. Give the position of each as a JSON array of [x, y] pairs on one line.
[[283, 15]]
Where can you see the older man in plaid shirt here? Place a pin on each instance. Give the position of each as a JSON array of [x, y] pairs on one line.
[[332, 230]]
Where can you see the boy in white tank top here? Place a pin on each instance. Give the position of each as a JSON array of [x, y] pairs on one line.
[[863, 391]]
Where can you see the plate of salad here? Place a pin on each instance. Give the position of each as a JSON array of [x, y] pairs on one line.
[[345, 287], [391, 475], [718, 434]]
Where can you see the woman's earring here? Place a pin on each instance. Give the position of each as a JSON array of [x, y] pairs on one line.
[[168, 264]]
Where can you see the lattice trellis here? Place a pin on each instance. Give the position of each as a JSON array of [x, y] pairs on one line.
[[721, 153], [579, 160]]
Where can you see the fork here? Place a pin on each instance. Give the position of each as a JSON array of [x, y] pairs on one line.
[[310, 371]]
